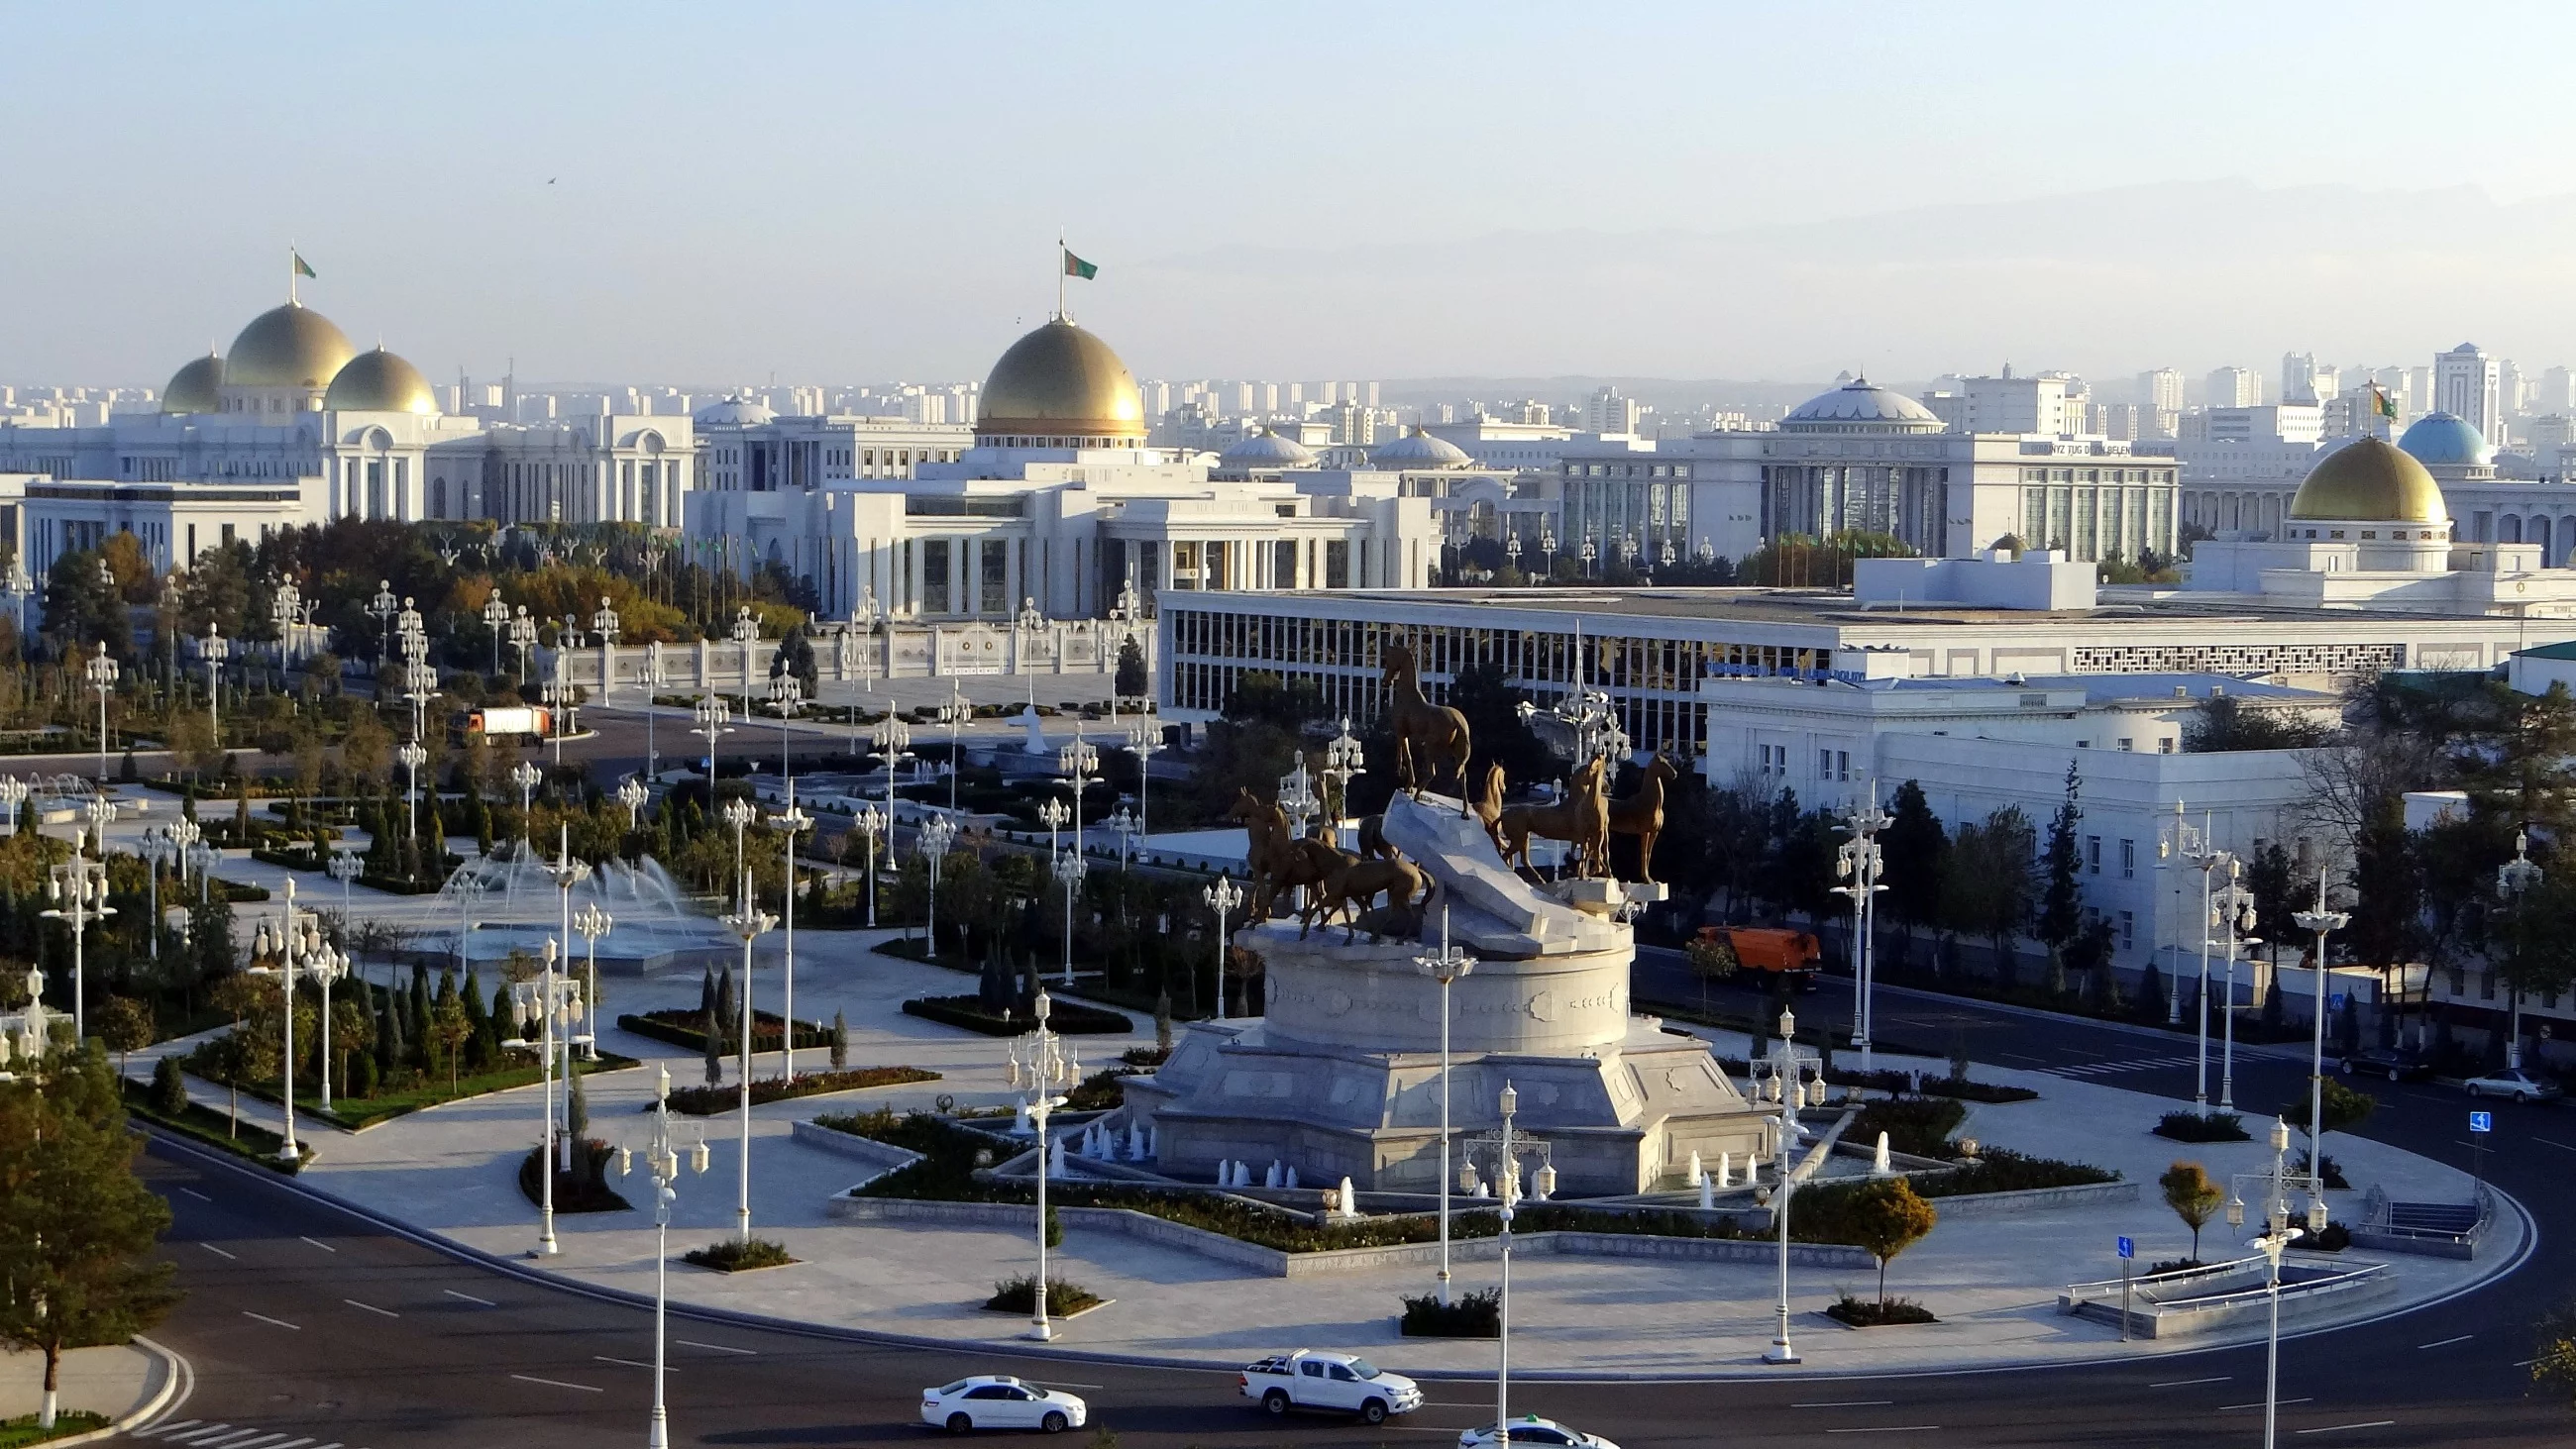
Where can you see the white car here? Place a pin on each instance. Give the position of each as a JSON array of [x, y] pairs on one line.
[[1534, 1430], [2513, 1082], [1337, 1382], [998, 1401]]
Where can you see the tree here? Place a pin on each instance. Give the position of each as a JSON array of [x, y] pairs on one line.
[[2553, 1363], [2222, 722], [840, 1043], [715, 1049], [449, 1026], [79, 1225], [82, 610], [1712, 958], [169, 1088], [2193, 1197], [126, 1026], [1132, 681], [795, 655], [1885, 1217], [353, 1027], [192, 744], [1495, 728], [366, 749], [1987, 888], [2061, 900], [1916, 849]]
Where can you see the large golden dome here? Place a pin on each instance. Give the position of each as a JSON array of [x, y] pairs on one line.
[[1061, 380], [289, 346], [2370, 481], [379, 382], [192, 388]]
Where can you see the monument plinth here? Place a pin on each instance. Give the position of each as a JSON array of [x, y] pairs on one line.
[[1342, 1077]]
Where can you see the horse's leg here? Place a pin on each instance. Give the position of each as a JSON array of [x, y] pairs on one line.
[[1646, 854]]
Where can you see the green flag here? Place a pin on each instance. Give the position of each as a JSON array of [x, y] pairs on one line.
[[2382, 402], [1076, 267], [303, 268]]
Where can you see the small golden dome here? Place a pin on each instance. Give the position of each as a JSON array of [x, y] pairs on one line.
[[289, 346], [192, 388], [2370, 481], [1061, 379], [379, 382]]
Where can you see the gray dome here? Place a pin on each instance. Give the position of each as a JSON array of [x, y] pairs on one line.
[[1418, 450], [1266, 449], [734, 411], [1861, 404]]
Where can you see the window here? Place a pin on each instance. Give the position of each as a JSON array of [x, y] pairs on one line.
[[1824, 764], [934, 576], [2128, 859], [1337, 563], [2128, 930], [2165, 746], [2128, 744], [2093, 854]]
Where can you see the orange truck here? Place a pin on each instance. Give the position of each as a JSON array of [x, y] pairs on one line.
[[1792, 954]]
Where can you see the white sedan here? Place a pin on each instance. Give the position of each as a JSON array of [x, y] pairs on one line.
[[2513, 1082], [1534, 1430], [998, 1401]]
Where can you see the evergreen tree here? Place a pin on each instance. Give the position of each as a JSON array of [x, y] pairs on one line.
[[2275, 1011], [392, 1050], [1916, 850], [416, 1029], [840, 1043], [707, 991], [2151, 995], [2061, 899], [210, 936], [728, 1009], [1131, 681], [715, 1049]]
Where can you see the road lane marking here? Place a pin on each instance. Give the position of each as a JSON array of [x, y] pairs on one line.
[[257, 1441], [2187, 1383], [317, 1242], [2561, 1146], [2339, 1428], [718, 1347], [280, 1322], [1891, 1429], [228, 1440], [1848, 1404], [470, 1298], [371, 1308], [557, 1383], [218, 1252], [201, 1197], [208, 1432], [158, 1430], [2284, 1403], [632, 1363], [294, 1443], [2017, 1056], [2446, 1342]]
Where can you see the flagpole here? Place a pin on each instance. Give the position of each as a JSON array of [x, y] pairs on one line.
[[291, 299], [1060, 270]]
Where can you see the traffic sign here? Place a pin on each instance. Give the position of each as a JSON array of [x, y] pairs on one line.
[[2128, 1248], [2482, 1121], [2337, 998]]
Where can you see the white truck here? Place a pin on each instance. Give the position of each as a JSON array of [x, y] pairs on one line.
[[1333, 1382]]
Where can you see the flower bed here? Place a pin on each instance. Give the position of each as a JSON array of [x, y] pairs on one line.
[[707, 1101], [1069, 1018], [1878, 1313], [2194, 1127], [731, 1256], [683, 1027], [1020, 1295]]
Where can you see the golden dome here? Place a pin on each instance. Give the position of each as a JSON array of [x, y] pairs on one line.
[[379, 382], [2370, 481], [192, 388], [289, 346], [1061, 379]]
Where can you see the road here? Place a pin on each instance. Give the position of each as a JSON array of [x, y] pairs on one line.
[[319, 1328]]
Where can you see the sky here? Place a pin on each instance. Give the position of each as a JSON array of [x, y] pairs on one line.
[[846, 192]]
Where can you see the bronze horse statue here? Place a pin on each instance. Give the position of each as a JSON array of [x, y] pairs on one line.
[[1430, 739], [1642, 814], [1275, 856], [1581, 819]]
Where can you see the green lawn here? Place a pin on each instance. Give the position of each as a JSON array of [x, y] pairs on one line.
[[212, 1126], [23, 1430], [355, 1113]]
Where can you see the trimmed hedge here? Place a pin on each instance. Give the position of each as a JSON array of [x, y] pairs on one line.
[[685, 1028], [732, 1256], [1069, 1018], [2193, 1127], [1920, 1126], [1473, 1315], [707, 1101]]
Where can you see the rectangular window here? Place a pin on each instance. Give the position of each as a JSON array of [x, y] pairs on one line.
[[1337, 563], [1283, 565], [2165, 746], [1824, 766], [934, 576], [1842, 768], [2128, 930], [2093, 854], [995, 595], [2128, 859]]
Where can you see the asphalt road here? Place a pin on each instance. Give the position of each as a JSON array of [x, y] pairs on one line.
[[320, 1328]]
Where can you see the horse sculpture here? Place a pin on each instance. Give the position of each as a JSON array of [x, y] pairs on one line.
[[1275, 856], [1642, 814], [1488, 804], [1438, 732], [1350, 889], [1581, 819]]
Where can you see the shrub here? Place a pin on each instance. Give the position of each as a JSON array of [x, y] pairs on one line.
[[2334, 1239], [2330, 1172], [2344, 1107], [169, 1088], [2194, 1127], [1070, 1018], [1475, 1315], [2174, 1265], [1098, 1092], [2003, 1170], [707, 1101], [1884, 1312], [582, 1189], [2193, 1197], [731, 1256], [1917, 1125], [1020, 1295]]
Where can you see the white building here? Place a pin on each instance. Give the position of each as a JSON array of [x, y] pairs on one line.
[[2048, 405], [2468, 385], [2234, 387], [2161, 389]]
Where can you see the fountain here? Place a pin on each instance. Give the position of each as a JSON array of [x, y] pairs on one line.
[[514, 906]]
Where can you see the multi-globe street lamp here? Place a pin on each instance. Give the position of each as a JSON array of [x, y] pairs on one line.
[[1446, 967], [551, 1000], [78, 888], [1789, 1077], [412, 757], [745, 633], [295, 941], [711, 712], [593, 923], [1858, 864], [791, 822], [662, 1160], [654, 676], [870, 822], [496, 617], [1144, 742], [632, 795], [2235, 907], [955, 713], [102, 673], [1222, 896], [1046, 1070], [748, 923], [1069, 869], [2514, 880], [933, 839], [527, 777], [523, 637], [2322, 923]]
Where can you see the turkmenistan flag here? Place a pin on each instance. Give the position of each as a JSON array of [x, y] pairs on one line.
[[2379, 399], [1076, 267], [303, 268]]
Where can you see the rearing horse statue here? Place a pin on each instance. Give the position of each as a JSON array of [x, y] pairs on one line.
[[1438, 732]]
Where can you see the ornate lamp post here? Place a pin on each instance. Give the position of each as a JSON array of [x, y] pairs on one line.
[[412, 757], [158, 845], [870, 822], [295, 941], [1069, 869], [383, 607], [496, 617], [78, 888], [788, 693], [1790, 1077], [102, 678], [2322, 923], [13, 794], [2196, 847], [892, 740], [215, 649], [1222, 896], [527, 777], [1446, 967], [749, 923], [662, 1159], [2279, 1228], [26, 1035], [1044, 1070], [286, 610], [739, 814], [605, 625], [548, 1000], [791, 822], [1122, 822], [1144, 741], [556, 692], [1507, 1190], [1079, 762], [345, 867], [1053, 813], [523, 637], [2236, 912], [932, 839], [1858, 863], [1025, 630], [655, 676], [746, 632], [2514, 879], [711, 723], [632, 795], [954, 714], [1512, 551], [1589, 553], [183, 835], [202, 858], [593, 923]]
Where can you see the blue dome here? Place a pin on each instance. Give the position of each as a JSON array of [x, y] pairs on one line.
[[2439, 440]]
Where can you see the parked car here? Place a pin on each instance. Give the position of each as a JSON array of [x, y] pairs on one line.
[[1336, 1382], [998, 1401], [2516, 1083], [2397, 1064], [1534, 1430]]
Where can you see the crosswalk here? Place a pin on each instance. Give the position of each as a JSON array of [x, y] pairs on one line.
[[205, 1434], [2108, 1069]]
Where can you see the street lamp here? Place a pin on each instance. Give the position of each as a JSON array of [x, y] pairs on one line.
[[1790, 1077], [2513, 879], [739, 814], [1512, 551], [932, 839], [383, 607], [788, 693], [2278, 1230], [412, 757], [2196, 847], [13, 794], [297, 936], [1446, 967], [632, 795], [1047, 1068], [1053, 813], [286, 610], [605, 624], [593, 923], [345, 867], [1030, 623], [215, 649], [202, 858], [160, 843], [557, 695], [2236, 912], [1144, 741], [791, 822], [1222, 895], [547, 1000], [1122, 821], [1079, 762], [1507, 1190], [1069, 869], [654, 676], [78, 889], [523, 637], [749, 923], [1588, 553], [102, 677], [662, 1160], [496, 617], [954, 714], [870, 822], [1859, 863], [711, 723], [26, 1035], [746, 632], [2324, 923], [527, 777]]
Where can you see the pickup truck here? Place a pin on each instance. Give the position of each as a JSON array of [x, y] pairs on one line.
[[1334, 1382]]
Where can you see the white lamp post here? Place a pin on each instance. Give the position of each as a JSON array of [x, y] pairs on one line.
[[655, 676], [203, 858], [1144, 741], [102, 678], [892, 740], [1446, 967], [1507, 1190], [1795, 1077], [1858, 863], [383, 606], [954, 714], [711, 723], [295, 940], [1069, 869], [548, 1000], [749, 923], [345, 867], [496, 617], [1222, 896], [13, 794], [2513, 879], [662, 1159], [1053, 814], [527, 777], [933, 838], [523, 637], [1048, 1068], [1344, 760], [2205, 857], [2323, 923], [788, 693], [632, 795], [605, 624], [158, 845], [593, 923], [1122, 822], [215, 649], [78, 888], [870, 822], [746, 632], [2236, 907], [1030, 623], [1079, 762], [791, 822], [739, 814], [2278, 1230], [412, 757]]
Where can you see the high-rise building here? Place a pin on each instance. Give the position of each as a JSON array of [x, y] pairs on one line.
[[2040, 405], [2161, 389], [2466, 384], [1610, 412], [2305, 380], [2234, 387], [2557, 392]]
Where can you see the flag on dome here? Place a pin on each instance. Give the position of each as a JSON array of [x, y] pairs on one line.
[[2379, 400], [303, 268], [1076, 267]]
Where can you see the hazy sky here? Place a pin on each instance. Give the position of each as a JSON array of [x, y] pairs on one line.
[[846, 192]]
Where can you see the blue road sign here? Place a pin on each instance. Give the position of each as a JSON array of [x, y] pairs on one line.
[[2482, 1121], [2128, 1248], [2337, 999]]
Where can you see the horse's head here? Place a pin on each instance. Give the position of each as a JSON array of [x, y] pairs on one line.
[[1398, 661], [1661, 768], [1246, 808]]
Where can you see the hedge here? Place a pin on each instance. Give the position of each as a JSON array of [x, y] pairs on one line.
[[682, 1027], [1070, 1018], [707, 1101]]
